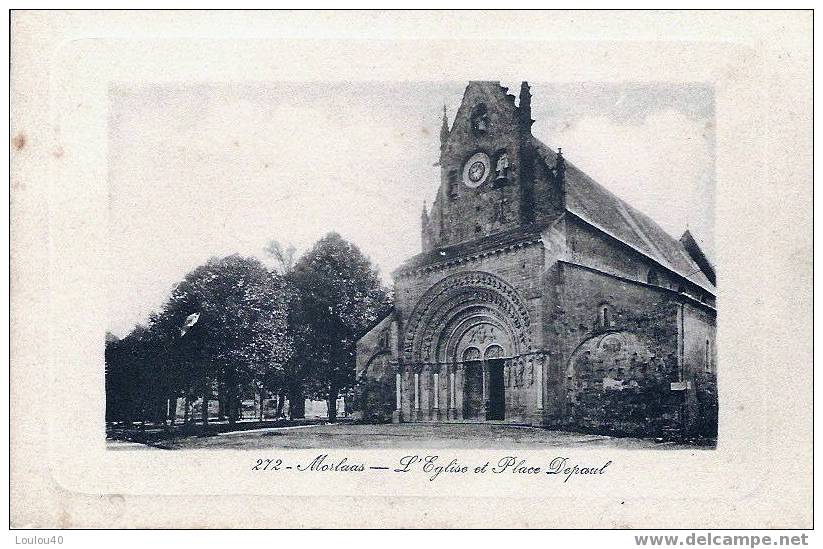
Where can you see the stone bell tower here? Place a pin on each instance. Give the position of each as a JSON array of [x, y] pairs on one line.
[[540, 297], [486, 162]]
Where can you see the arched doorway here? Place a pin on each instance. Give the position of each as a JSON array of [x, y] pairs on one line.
[[473, 384], [494, 358], [484, 389], [471, 325]]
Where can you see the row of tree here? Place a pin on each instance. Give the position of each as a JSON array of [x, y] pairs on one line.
[[235, 327]]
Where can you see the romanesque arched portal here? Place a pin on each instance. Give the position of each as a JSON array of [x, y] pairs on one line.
[[471, 304], [466, 330]]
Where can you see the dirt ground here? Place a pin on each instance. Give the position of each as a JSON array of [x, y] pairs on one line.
[[407, 435]]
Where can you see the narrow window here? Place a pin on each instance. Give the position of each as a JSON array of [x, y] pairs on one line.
[[452, 184], [708, 357], [605, 317], [480, 119]]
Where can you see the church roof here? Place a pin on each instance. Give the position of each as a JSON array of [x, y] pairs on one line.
[[591, 202], [696, 253]]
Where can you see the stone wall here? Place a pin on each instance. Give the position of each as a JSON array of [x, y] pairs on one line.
[[700, 369], [617, 346], [381, 338], [520, 267], [588, 246], [622, 390], [376, 364], [461, 213]]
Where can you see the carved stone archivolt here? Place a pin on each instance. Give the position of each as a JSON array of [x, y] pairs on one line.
[[474, 329], [472, 309]]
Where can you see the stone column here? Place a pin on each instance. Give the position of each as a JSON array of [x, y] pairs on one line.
[[538, 366], [436, 403], [397, 415], [538, 379], [451, 413], [416, 414]]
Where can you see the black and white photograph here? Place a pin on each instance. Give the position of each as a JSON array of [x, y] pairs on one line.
[[427, 280]]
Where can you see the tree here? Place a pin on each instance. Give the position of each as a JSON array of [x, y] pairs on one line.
[[339, 296], [240, 336], [136, 384], [284, 257], [290, 381]]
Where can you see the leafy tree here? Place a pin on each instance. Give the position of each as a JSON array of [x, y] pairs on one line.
[[240, 336], [289, 331], [136, 386], [339, 296], [291, 378]]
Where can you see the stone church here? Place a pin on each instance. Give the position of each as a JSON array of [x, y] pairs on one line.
[[540, 297]]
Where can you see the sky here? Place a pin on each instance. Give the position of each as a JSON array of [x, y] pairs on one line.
[[205, 170]]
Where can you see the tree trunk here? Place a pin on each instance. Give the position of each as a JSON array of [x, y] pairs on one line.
[[231, 393], [332, 404], [297, 405], [143, 413], [204, 412], [231, 405], [171, 410], [281, 401]]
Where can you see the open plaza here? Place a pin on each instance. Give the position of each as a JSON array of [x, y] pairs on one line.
[[407, 435]]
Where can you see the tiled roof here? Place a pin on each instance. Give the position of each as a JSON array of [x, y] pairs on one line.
[[591, 202]]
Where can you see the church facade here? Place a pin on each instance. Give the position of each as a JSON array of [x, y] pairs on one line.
[[540, 297]]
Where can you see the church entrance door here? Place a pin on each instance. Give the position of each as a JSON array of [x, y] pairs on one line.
[[497, 395], [473, 390]]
